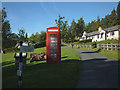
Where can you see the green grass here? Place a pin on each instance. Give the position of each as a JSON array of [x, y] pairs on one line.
[[113, 54], [42, 75], [108, 41], [78, 43]]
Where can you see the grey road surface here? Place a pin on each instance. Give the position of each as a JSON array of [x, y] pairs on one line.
[[98, 71]]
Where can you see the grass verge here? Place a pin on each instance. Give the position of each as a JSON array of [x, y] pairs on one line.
[[113, 54], [42, 75]]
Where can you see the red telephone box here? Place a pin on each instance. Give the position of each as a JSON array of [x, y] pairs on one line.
[[53, 45]]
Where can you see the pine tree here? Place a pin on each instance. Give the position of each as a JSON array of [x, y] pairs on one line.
[[112, 18], [118, 13], [6, 32], [80, 27], [73, 29]]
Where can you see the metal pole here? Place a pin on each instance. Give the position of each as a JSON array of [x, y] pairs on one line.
[[20, 67]]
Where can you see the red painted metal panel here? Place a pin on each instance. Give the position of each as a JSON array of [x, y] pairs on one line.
[[53, 45]]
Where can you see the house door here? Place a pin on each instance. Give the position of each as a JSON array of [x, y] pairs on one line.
[[105, 36]]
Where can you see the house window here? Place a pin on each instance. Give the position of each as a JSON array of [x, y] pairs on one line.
[[112, 33], [101, 35], [97, 36], [92, 37], [84, 38]]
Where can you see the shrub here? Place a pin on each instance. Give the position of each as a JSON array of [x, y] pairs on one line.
[[63, 44], [86, 41], [97, 50], [108, 41], [76, 40], [94, 45], [41, 44], [13, 49]]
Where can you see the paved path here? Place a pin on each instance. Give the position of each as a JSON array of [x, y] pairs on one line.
[[98, 71]]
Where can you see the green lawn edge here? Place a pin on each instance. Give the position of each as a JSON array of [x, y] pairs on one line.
[[43, 75]]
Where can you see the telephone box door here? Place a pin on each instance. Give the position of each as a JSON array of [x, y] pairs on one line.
[[53, 45]]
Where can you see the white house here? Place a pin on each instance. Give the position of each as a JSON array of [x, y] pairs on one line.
[[103, 34]]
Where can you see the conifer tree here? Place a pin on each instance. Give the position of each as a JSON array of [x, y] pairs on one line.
[[118, 13]]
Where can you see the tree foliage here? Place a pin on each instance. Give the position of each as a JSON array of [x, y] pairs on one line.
[[68, 33], [63, 25], [6, 33], [118, 13], [80, 27], [22, 36], [37, 38], [76, 29], [10, 39]]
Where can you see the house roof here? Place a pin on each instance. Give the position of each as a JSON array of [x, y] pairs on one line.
[[92, 33], [114, 28]]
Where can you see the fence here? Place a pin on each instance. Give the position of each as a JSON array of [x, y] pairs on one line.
[[101, 46], [109, 46]]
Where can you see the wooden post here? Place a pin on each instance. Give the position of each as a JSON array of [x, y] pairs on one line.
[[104, 46], [100, 46], [115, 47], [97, 45], [111, 46], [90, 46], [119, 46], [107, 47]]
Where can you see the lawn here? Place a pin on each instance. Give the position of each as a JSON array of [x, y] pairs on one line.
[[113, 54], [42, 75], [108, 41]]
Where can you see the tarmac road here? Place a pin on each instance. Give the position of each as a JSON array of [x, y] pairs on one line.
[[98, 71]]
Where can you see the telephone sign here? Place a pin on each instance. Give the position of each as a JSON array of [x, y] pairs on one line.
[[53, 45]]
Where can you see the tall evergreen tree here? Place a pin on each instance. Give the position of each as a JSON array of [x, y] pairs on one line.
[[6, 41], [97, 23], [22, 36], [105, 21], [118, 13], [112, 18], [72, 30], [80, 27], [65, 31]]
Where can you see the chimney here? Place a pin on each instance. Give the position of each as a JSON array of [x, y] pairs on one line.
[[99, 29]]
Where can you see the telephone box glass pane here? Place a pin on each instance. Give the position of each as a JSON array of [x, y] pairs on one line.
[[53, 35], [53, 46]]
